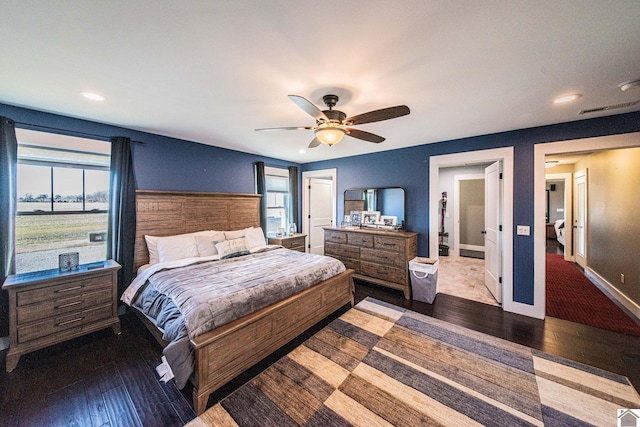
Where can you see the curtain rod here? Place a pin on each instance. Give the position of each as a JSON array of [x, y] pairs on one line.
[[69, 132]]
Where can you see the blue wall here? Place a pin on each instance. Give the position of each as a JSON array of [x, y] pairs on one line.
[[161, 163], [409, 168], [164, 163]]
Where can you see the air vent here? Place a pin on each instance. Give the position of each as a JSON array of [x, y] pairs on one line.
[[609, 107]]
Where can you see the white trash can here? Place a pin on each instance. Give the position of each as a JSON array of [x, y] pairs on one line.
[[424, 279]]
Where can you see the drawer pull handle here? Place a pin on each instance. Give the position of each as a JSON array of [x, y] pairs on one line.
[[388, 244], [69, 321], [69, 304], [59, 291]]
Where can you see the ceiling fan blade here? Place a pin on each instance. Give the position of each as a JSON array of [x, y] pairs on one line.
[[379, 115], [366, 136], [287, 128], [314, 143], [308, 107]]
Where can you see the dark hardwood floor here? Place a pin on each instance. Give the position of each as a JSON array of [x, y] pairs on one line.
[[108, 380]]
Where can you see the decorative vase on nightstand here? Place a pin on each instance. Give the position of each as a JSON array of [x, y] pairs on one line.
[[292, 229]]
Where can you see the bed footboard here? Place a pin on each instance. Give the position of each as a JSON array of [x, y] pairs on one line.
[[226, 352]]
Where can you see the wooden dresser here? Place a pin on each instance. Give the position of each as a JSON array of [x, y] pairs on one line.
[[377, 256], [51, 306], [294, 242]]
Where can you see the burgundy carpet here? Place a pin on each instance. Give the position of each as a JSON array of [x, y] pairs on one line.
[[571, 296]]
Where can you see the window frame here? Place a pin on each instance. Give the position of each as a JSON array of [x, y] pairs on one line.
[[283, 173], [66, 165]]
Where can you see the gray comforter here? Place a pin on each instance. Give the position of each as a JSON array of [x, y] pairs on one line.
[[197, 298]]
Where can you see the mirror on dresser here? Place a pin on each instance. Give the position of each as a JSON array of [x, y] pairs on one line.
[[374, 207]]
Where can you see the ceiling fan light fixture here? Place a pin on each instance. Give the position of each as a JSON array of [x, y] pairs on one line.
[[330, 135]]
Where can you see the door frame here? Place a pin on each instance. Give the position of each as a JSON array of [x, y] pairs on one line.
[[568, 210], [471, 157], [580, 258], [331, 174], [609, 142], [456, 209]]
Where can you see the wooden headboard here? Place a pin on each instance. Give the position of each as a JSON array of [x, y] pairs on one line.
[[165, 213]]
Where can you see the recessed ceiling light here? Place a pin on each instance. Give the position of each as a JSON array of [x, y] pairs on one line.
[[93, 96], [302, 151], [567, 98]]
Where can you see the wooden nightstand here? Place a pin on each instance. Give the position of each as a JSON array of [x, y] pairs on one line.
[[294, 242], [51, 306]]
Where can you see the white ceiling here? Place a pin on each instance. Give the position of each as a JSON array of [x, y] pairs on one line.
[[212, 71]]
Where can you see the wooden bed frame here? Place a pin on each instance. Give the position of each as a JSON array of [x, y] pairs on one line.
[[226, 352]]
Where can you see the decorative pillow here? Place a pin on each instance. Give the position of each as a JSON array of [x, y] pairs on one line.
[[152, 243], [206, 244], [255, 238], [232, 248], [231, 235], [177, 247]]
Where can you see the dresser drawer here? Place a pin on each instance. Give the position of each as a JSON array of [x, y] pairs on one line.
[[383, 272], [71, 288], [341, 251], [390, 243], [61, 305], [56, 324], [335, 237], [357, 239], [393, 259]]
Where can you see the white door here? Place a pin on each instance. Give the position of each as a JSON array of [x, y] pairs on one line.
[[580, 221], [320, 212], [492, 243]]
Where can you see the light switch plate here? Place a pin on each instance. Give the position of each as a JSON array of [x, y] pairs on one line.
[[523, 230]]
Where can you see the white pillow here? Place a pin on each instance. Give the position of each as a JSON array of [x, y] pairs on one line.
[[235, 234], [255, 237], [177, 247], [232, 248], [152, 243], [207, 244]]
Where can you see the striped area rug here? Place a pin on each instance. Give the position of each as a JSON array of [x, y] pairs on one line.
[[382, 365]]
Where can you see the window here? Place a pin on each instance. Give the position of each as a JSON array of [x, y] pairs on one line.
[[278, 200], [63, 199]]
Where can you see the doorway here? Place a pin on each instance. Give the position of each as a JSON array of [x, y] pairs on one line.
[[318, 206], [563, 147], [505, 257]]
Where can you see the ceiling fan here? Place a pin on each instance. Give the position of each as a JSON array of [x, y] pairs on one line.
[[332, 125]]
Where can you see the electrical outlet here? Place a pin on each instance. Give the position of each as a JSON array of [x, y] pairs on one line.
[[621, 278], [523, 230]]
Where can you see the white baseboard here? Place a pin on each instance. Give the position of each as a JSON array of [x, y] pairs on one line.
[[472, 247], [607, 287]]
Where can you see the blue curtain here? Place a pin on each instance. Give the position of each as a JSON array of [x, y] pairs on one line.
[[293, 192], [122, 211], [8, 172], [261, 184]]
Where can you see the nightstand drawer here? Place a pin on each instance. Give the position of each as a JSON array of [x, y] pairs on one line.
[[294, 242], [56, 324], [58, 306], [68, 289]]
